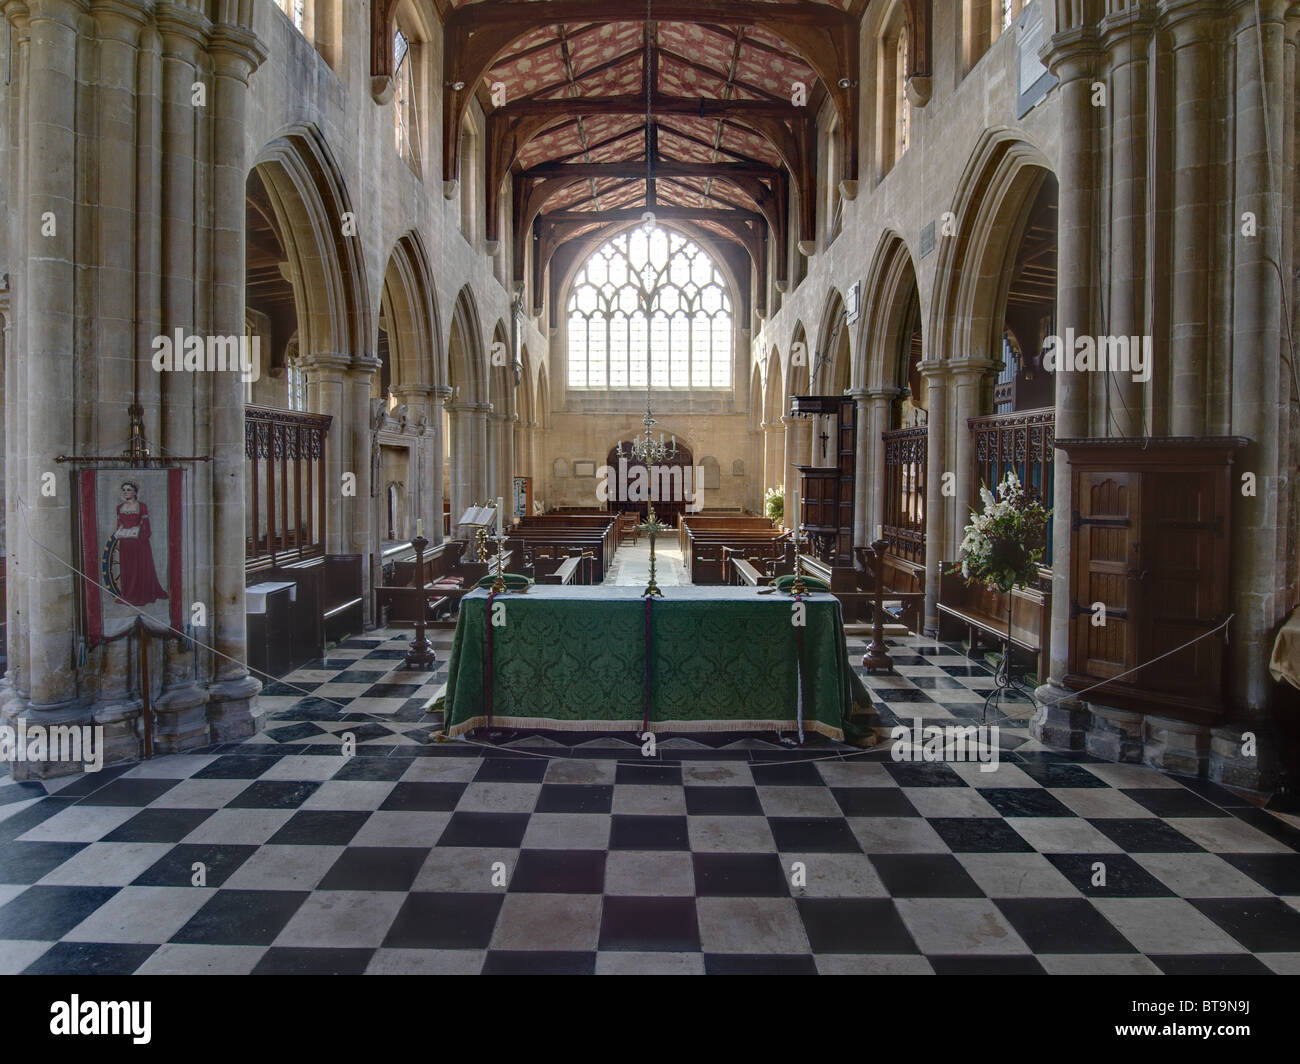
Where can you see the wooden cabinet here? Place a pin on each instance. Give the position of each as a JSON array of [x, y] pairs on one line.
[[1150, 541], [826, 490]]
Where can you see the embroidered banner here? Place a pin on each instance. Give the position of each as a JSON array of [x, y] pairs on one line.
[[132, 550]]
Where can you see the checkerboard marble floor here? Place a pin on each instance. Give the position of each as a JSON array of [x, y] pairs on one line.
[[576, 854]]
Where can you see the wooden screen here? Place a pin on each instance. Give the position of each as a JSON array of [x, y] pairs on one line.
[[905, 480], [285, 482]]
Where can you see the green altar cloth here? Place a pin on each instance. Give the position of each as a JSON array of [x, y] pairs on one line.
[[721, 659]]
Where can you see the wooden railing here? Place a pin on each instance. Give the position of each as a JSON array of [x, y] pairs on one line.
[[285, 451], [1025, 442], [905, 480]]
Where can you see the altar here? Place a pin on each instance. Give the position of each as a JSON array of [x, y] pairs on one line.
[[720, 659]]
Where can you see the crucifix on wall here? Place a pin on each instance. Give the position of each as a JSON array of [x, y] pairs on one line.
[[824, 437]]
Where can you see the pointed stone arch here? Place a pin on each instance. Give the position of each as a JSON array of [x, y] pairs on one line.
[[409, 304], [833, 355]]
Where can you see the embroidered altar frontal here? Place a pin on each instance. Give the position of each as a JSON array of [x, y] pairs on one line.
[[720, 659]]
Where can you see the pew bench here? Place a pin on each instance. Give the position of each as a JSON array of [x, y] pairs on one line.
[[982, 614], [565, 573]]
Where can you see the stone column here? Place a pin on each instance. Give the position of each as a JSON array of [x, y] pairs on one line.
[[936, 505], [1261, 185], [462, 487], [1125, 34], [793, 456], [327, 394], [773, 453], [437, 451], [1063, 719], [232, 706], [1191, 24], [49, 295], [863, 458], [480, 455], [181, 718], [418, 486], [970, 378], [879, 402], [359, 511]]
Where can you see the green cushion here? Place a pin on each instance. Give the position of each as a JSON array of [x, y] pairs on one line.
[[783, 583], [514, 581]]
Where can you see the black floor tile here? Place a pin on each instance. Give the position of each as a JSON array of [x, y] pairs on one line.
[[49, 913], [855, 925], [284, 960], [537, 962], [37, 813], [645, 924], [319, 827], [1210, 964], [1063, 925], [176, 868], [797, 834], [293, 732], [1262, 925], [749, 964], [975, 834], [1025, 801], [26, 862], [873, 801], [629, 832], [377, 769], [1118, 877], [801, 773], [648, 773], [273, 794], [740, 875], [92, 781], [159, 825], [235, 767], [986, 965], [485, 829], [923, 774], [1172, 802], [129, 792], [512, 770], [559, 872], [421, 796], [389, 689], [924, 875], [89, 958], [1270, 826], [242, 917], [575, 798], [1144, 835], [444, 921], [1278, 872], [1056, 773], [375, 868], [723, 801]]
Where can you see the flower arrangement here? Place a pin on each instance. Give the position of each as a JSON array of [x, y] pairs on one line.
[[774, 503], [1004, 544]]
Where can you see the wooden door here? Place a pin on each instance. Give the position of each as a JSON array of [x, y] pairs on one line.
[[1105, 555]]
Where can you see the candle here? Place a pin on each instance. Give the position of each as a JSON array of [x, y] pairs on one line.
[[501, 518], [880, 531], [796, 515], [419, 526]]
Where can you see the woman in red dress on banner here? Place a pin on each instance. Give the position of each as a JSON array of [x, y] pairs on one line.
[[137, 578]]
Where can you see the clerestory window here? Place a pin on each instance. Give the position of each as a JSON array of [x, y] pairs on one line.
[[649, 302]]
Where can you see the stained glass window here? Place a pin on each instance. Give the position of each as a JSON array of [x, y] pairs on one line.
[[651, 302]]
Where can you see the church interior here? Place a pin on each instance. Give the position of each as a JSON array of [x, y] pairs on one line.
[[645, 487]]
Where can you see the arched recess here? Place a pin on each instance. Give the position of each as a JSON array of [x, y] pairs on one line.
[[465, 474], [409, 308], [833, 358], [894, 448], [307, 299], [773, 430]]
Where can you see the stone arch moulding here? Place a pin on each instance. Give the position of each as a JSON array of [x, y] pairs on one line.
[[823, 365], [408, 287], [1002, 177], [889, 285], [319, 227], [467, 359]]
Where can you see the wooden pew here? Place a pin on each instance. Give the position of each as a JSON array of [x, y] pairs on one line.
[[565, 573], [327, 601], [745, 575], [704, 558], [982, 614]]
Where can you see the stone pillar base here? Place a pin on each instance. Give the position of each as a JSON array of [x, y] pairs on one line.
[[1061, 720], [1115, 734], [180, 720], [233, 712], [1232, 764], [123, 737], [19, 714], [1175, 746]]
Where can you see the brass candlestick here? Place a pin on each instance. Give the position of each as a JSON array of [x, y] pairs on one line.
[[877, 655], [499, 584], [652, 527], [798, 587]]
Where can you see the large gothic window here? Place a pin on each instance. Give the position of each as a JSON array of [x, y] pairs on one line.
[[649, 302]]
